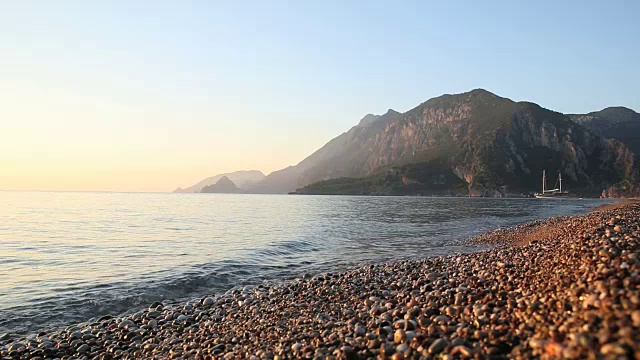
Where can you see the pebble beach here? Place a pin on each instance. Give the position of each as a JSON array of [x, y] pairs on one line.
[[566, 287]]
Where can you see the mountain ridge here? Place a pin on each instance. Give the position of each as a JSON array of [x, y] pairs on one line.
[[485, 140], [615, 122]]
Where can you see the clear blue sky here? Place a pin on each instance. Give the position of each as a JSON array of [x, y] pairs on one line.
[[150, 95]]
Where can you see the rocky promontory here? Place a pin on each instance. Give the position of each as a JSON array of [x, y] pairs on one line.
[[223, 186]]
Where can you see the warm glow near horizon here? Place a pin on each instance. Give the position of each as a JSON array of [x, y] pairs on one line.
[[83, 142], [122, 96]]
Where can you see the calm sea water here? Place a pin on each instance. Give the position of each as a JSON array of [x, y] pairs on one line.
[[68, 257]]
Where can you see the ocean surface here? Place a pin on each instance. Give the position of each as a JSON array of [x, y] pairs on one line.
[[67, 257]]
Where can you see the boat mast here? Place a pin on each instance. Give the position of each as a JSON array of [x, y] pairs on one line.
[[544, 180], [560, 179]]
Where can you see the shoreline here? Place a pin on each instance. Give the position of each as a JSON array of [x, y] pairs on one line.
[[566, 286]]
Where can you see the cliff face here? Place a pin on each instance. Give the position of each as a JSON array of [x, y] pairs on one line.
[[623, 189], [621, 124], [537, 139], [490, 144]]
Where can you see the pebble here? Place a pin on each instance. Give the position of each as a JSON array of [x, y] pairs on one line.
[[208, 301], [399, 336], [126, 324], [438, 346]]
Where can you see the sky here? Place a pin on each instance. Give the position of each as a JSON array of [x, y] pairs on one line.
[[151, 95]]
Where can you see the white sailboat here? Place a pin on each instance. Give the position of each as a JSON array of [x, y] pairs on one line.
[[551, 193]]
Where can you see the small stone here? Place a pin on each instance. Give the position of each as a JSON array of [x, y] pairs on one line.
[[635, 318], [410, 335], [16, 347], [438, 346], [387, 349], [424, 321], [612, 349], [126, 324], [75, 343], [208, 301], [462, 350], [410, 325], [537, 343]]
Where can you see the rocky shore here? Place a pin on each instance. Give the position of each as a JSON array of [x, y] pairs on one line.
[[566, 287]]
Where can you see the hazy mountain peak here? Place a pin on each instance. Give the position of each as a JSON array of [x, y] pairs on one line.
[[225, 181], [243, 179], [223, 185]]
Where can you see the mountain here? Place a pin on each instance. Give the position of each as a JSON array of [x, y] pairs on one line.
[[223, 186], [469, 143], [339, 157], [618, 123], [242, 179]]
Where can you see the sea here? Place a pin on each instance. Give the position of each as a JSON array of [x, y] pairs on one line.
[[68, 257]]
